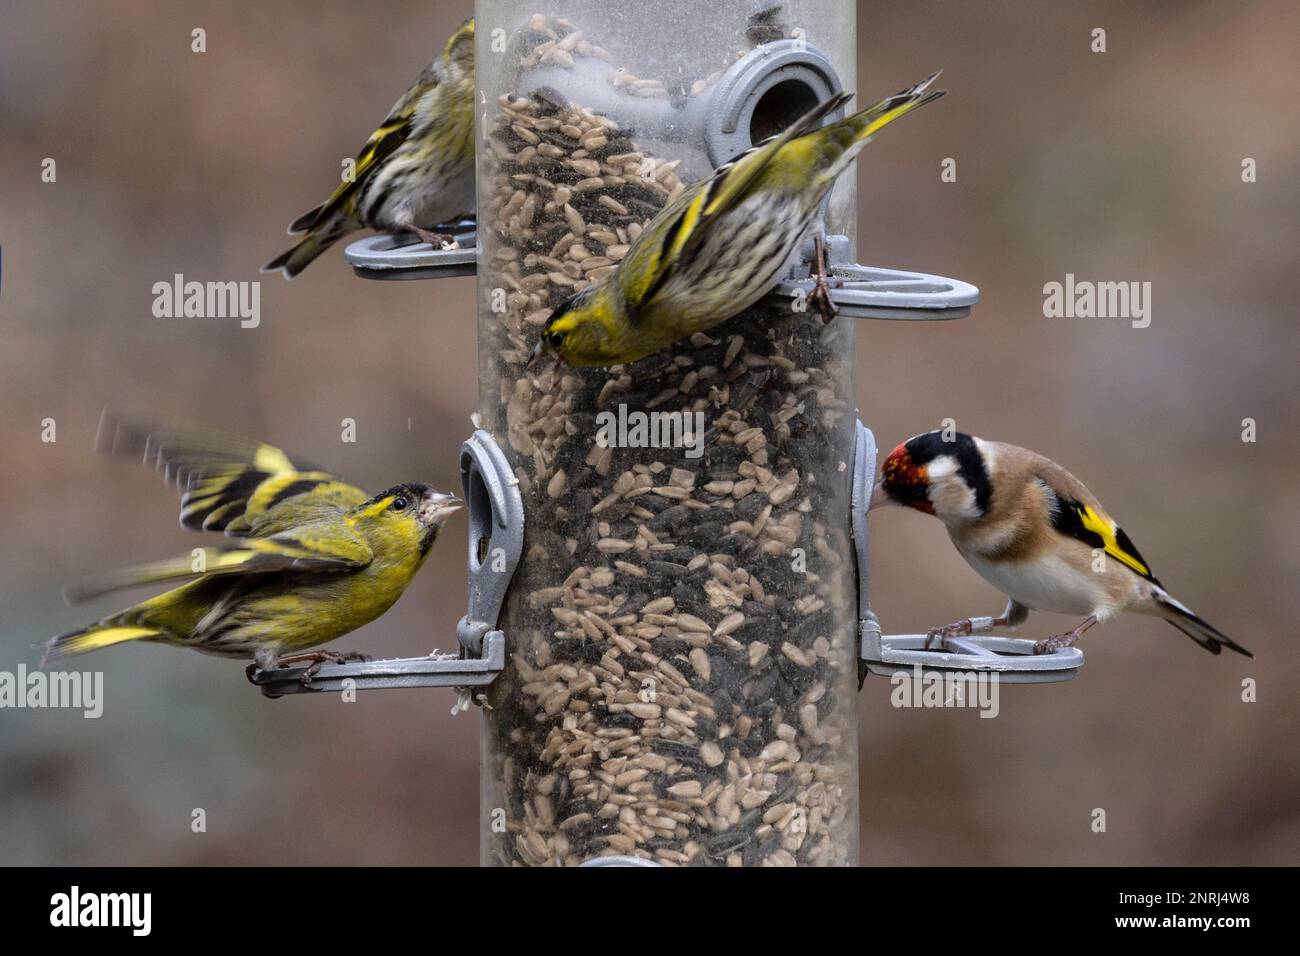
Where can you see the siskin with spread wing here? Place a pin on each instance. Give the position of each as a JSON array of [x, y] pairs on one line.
[[313, 557], [723, 243], [415, 172]]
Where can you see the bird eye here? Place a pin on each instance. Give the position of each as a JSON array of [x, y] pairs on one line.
[[556, 339], [400, 503]]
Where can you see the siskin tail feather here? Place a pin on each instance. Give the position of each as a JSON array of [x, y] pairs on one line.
[[293, 261], [306, 221], [842, 141], [94, 637], [874, 118], [1199, 630], [320, 237]]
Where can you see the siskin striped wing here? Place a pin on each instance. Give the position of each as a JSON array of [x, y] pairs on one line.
[[383, 142], [731, 183], [395, 130], [680, 228], [231, 484]]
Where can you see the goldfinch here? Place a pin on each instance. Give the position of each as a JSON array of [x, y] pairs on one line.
[[313, 557], [723, 243], [414, 173], [1033, 531]]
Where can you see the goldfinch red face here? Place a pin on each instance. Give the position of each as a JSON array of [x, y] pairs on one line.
[[903, 482], [944, 474]]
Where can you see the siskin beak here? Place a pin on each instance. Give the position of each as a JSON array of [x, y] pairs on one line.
[[436, 507]]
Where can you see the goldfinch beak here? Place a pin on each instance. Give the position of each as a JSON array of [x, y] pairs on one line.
[[879, 498], [437, 507]]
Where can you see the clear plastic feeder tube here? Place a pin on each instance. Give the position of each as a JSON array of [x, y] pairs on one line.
[[680, 667]]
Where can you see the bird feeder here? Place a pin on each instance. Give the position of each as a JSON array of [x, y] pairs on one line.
[[668, 559]]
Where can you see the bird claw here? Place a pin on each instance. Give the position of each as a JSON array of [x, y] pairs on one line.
[[820, 298], [439, 240], [823, 282], [1050, 645], [960, 628], [315, 659]]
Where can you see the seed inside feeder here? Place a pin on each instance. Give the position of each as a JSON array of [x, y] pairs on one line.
[[681, 630]]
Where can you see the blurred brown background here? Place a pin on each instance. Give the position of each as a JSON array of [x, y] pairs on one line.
[[1117, 166]]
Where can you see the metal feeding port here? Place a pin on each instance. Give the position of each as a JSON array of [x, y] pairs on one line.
[[388, 256], [496, 539], [1012, 659]]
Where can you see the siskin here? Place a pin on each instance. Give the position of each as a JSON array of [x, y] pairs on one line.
[[721, 245], [1033, 531], [314, 557], [415, 172]]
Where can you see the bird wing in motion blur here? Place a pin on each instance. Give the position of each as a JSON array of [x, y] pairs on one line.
[[312, 557], [249, 490]]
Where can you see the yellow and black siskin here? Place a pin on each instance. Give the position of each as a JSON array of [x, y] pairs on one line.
[[415, 171], [722, 244], [313, 557]]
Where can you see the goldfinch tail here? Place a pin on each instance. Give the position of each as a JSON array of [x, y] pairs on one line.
[[1202, 632], [92, 638], [321, 237]]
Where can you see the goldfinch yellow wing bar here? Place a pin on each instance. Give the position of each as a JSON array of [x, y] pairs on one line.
[[1012, 659], [496, 542]]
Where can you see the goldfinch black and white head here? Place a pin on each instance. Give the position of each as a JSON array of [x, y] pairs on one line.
[[941, 473], [1032, 530]]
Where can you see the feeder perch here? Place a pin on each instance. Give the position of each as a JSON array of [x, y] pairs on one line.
[[396, 257]]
